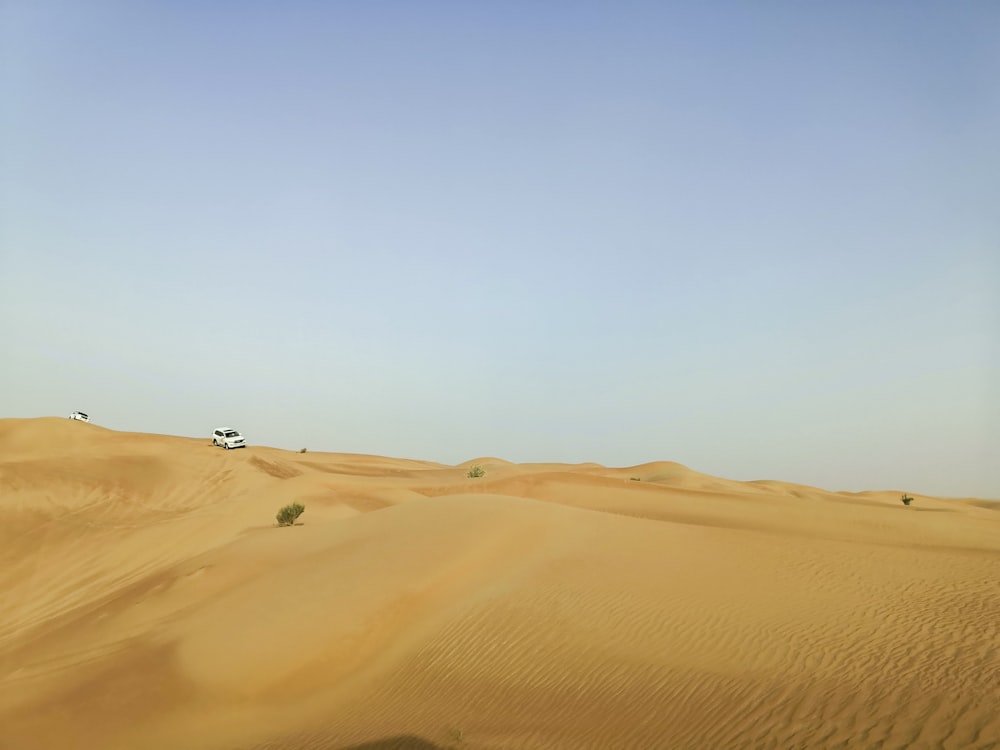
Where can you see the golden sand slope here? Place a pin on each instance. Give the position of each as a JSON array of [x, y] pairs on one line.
[[148, 601]]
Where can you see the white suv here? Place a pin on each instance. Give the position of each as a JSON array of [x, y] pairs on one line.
[[228, 438], [79, 416]]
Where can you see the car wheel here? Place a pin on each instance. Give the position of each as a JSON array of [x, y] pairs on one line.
[[226, 446]]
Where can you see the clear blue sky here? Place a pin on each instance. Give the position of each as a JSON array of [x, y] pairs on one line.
[[761, 239]]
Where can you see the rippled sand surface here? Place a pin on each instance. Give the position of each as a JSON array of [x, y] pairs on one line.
[[149, 601]]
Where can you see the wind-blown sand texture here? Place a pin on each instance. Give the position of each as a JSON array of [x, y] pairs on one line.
[[149, 601]]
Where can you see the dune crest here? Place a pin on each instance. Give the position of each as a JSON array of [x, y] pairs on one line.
[[150, 601]]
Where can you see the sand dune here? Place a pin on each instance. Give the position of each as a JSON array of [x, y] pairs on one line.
[[149, 601]]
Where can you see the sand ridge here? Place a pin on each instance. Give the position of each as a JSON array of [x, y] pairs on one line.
[[149, 601]]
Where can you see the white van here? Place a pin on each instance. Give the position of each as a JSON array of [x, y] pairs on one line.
[[228, 438]]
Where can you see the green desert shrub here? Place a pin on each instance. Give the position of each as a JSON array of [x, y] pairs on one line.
[[302, 451], [475, 472], [906, 499], [290, 514]]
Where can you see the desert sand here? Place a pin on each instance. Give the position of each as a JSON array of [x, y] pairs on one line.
[[150, 601]]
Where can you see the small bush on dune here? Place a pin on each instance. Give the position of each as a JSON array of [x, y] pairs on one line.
[[302, 451], [288, 515], [475, 472], [636, 479], [906, 499]]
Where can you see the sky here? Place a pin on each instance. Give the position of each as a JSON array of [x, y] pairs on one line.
[[759, 239]]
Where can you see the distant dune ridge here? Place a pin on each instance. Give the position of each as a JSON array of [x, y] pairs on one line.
[[149, 601]]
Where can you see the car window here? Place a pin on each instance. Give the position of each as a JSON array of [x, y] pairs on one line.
[[231, 433]]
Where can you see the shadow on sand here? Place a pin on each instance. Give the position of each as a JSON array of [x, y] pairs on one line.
[[403, 742]]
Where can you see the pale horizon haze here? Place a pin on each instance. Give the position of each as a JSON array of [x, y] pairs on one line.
[[759, 239]]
